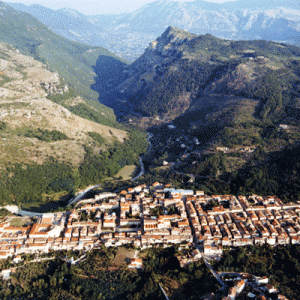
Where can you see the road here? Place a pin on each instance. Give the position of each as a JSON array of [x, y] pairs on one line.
[[215, 274], [163, 291], [142, 172], [25, 213], [82, 194]]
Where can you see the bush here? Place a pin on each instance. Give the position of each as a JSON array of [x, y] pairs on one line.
[[46, 135], [3, 125]]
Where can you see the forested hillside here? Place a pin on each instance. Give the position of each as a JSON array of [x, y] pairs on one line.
[[55, 135], [179, 69]]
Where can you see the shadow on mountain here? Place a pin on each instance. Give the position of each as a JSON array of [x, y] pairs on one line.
[[110, 73]]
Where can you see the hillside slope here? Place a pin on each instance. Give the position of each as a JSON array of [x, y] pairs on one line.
[[182, 72], [45, 147], [224, 114], [24, 87], [74, 62]]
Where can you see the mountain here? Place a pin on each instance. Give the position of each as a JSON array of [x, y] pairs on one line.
[[129, 34], [74, 62], [55, 135], [66, 22], [181, 72], [25, 88], [246, 23], [256, 4], [46, 148], [233, 107]]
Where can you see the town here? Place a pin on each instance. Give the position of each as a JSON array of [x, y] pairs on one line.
[[159, 214], [146, 216]]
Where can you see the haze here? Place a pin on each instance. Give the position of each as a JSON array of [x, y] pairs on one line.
[[95, 7]]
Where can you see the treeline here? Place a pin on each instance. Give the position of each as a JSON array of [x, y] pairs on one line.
[[27, 183], [274, 90], [211, 44], [91, 114], [280, 264], [100, 115], [275, 173], [106, 164]]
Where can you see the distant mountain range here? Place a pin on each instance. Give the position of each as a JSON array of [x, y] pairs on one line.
[[129, 34]]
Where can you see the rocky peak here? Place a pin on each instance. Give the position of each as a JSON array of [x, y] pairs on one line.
[[171, 39]]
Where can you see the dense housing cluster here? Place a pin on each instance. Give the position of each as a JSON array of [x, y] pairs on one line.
[[158, 214]]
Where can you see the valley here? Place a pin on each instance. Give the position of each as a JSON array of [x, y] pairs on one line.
[[152, 171]]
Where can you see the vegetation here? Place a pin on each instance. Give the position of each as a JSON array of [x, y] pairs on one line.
[[94, 278], [161, 98], [26, 184], [71, 60], [260, 70], [3, 125], [97, 138], [94, 115], [46, 135], [281, 265], [106, 164]]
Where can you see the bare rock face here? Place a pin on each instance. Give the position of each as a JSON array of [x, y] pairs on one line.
[[54, 88]]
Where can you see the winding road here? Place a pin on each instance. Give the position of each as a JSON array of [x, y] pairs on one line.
[[142, 172], [82, 194]]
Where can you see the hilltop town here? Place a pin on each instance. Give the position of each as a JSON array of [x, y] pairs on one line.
[[159, 214]]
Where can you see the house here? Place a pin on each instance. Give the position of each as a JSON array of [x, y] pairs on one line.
[[17, 259], [157, 185], [269, 289], [232, 293], [4, 254], [240, 286], [130, 222], [150, 224], [135, 263], [213, 250], [196, 254], [261, 280]]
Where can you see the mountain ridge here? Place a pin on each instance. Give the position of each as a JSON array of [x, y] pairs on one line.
[[129, 34], [189, 66]]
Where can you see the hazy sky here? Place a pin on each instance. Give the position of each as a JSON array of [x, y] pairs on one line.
[[94, 7]]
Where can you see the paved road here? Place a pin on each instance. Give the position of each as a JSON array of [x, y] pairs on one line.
[[82, 194], [163, 291], [25, 213]]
